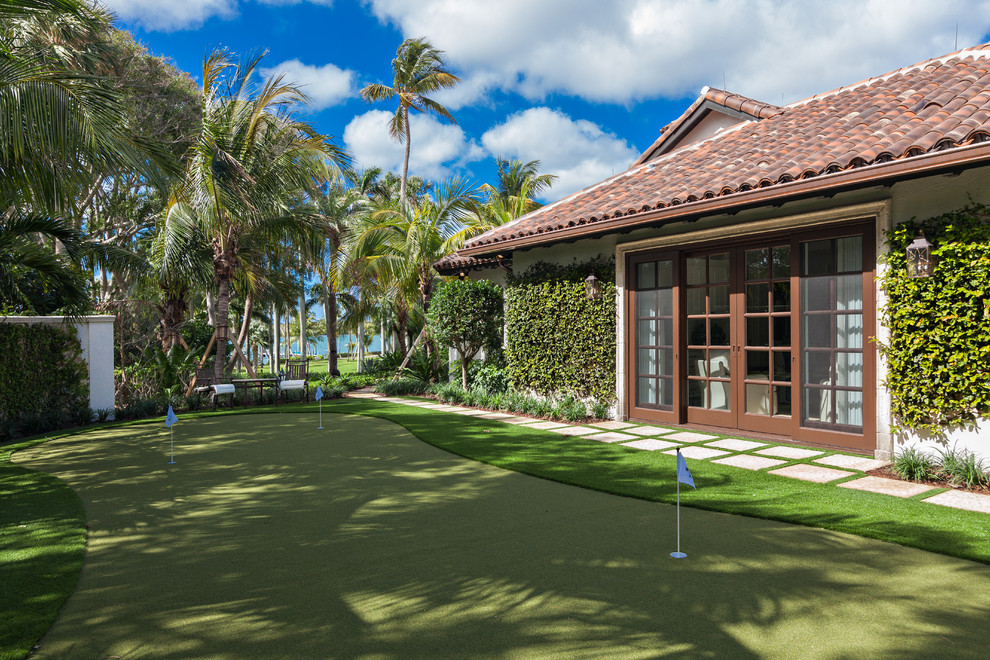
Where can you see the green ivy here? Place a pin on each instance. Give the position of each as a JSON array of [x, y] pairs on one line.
[[41, 373], [558, 341], [939, 350]]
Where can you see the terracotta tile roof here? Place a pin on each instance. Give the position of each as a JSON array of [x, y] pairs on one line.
[[933, 114]]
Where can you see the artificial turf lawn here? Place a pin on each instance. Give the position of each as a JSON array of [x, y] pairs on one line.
[[269, 538], [42, 544]]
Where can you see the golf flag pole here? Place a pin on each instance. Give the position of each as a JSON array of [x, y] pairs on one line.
[[170, 419], [683, 475], [319, 397]]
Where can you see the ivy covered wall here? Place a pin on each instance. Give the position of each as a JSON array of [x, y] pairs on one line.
[[939, 350], [558, 341], [41, 373]]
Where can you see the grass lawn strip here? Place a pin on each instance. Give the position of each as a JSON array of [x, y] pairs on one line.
[[269, 538], [645, 475]]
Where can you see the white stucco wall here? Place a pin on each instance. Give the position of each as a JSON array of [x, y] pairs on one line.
[[95, 335]]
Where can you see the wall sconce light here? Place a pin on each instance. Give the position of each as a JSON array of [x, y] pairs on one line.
[[919, 253], [592, 288]]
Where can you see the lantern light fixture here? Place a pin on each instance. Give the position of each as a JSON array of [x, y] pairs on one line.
[[592, 287], [919, 257]]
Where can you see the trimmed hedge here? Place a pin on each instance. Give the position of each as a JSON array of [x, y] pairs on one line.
[[558, 341], [43, 378], [939, 350]]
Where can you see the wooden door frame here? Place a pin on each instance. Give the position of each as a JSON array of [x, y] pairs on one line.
[[871, 217], [672, 416]]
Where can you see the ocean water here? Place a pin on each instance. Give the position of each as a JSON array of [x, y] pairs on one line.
[[321, 345]]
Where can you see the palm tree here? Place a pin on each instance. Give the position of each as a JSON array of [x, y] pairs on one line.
[[250, 165], [517, 179], [417, 70], [402, 245]]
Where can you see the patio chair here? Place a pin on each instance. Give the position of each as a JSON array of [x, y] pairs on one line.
[[295, 376], [206, 383]]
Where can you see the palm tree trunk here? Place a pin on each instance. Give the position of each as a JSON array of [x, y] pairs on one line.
[[302, 317], [288, 337], [223, 314], [405, 160], [360, 346], [330, 315], [276, 340]]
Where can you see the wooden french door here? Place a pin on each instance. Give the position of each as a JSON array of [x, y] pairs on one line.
[[764, 336], [653, 381], [709, 339]]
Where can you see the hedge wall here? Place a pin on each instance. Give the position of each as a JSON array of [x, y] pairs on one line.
[[558, 341], [41, 371], [939, 350]]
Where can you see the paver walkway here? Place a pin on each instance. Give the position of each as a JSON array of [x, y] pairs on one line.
[[845, 470]]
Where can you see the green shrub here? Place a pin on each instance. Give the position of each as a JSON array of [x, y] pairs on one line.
[[914, 465], [963, 468], [601, 409], [489, 377], [466, 314], [571, 409], [400, 387]]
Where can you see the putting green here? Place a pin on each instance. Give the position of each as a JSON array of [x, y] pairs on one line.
[[270, 538]]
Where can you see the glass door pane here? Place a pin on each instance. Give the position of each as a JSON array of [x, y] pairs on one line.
[[654, 323], [709, 332], [767, 326], [832, 333]]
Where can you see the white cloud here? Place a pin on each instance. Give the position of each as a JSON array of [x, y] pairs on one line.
[[170, 15], [436, 149], [577, 151], [627, 50], [326, 85]]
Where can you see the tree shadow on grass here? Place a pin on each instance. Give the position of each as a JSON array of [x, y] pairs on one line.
[[268, 538]]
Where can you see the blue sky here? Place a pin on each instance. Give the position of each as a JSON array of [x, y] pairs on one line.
[[581, 85]]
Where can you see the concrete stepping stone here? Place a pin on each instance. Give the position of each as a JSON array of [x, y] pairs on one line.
[[958, 499], [698, 453], [447, 408], [496, 416], [418, 404], [736, 444], [748, 461], [434, 406], [612, 426], [851, 462], [392, 399], [471, 411], [811, 473], [574, 430], [893, 487], [649, 444], [611, 437], [546, 426], [648, 430], [789, 452], [520, 420], [689, 436]]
